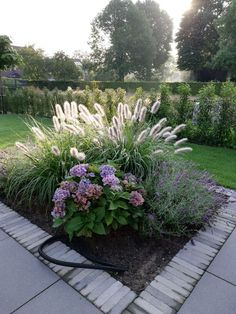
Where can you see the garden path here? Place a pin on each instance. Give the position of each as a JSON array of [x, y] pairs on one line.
[[215, 293], [28, 286]]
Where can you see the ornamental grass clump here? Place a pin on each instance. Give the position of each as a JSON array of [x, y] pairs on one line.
[[97, 199], [128, 139]]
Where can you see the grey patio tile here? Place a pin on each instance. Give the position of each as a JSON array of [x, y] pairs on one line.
[[58, 299], [3, 235], [211, 296], [224, 263], [22, 276]]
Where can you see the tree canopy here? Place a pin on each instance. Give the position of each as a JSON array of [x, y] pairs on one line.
[[198, 37], [226, 55], [131, 38], [8, 56]]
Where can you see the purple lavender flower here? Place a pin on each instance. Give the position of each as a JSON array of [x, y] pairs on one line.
[[59, 210], [136, 199], [111, 180], [107, 170], [60, 195], [79, 170]]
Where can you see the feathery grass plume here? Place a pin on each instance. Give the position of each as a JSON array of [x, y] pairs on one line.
[[183, 150], [116, 122], [147, 102], [22, 147], [82, 156], [56, 124], [99, 120], [67, 110], [38, 133], [127, 112], [85, 118], [83, 109], [163, 131], [142, 136], [60, 113], [137, 109], [99, 110], [72, 129], [55, 150], [171, 138], [120, 109], [180, 142], [155, 129], [162, 122], [114, 131], [74, 110], [142, 114], [158, 152], [166, 134], [155, 107], [79, 156], [178, 129]]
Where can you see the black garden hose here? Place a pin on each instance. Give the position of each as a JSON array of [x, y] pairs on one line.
[[97, 264]]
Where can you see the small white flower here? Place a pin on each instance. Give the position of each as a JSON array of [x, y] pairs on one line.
[[56, 151], [183, 150], [99, 109], [22, 147], [182, 141], [142, 114], [60, 113], [56, 124], [155, 107], [171, 138], [38, 133]]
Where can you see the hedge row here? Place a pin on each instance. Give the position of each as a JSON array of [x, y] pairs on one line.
[[128, 86]]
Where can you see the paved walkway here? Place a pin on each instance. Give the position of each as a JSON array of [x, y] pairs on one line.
[[27, 286], [215, 293]]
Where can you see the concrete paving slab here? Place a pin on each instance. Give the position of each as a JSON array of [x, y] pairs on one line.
[[3, 235], [224, 264], [22, 276], [210, 296], [60, 298]]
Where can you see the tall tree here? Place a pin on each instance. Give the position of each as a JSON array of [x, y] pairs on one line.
[[226, 56], [8, 59], [198, 38], [123, 41], [33, 65], [63, 67]]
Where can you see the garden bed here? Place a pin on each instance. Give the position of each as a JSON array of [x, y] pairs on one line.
[[144, 257]]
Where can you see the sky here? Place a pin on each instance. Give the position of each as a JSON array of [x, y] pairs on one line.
[[55, 25]]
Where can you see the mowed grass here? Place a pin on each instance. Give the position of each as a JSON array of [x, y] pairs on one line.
[[13, 128], [220, 162]]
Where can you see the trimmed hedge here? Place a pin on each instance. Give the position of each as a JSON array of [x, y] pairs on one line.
[[128, 86]]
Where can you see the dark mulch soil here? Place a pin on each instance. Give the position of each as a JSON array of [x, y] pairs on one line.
[[144, 257]]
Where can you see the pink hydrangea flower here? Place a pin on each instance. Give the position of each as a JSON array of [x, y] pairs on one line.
[[136, 199]]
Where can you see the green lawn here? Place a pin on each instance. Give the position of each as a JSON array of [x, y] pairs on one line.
[[220, 162], [13, 128]]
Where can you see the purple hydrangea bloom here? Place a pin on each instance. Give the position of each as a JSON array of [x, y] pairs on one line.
[[91, 175], [79, 170], [60, 195], [111, 180], [70, 186], [59, 210], [107, 170], [130, 178], [83, 186]]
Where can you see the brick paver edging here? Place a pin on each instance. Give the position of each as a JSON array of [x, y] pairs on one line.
[[165, 294]]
